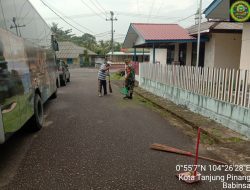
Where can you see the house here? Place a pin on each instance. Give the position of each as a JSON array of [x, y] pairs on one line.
[[223, 45], [172, 44], [73, 55], [167, 42], [220, 10]]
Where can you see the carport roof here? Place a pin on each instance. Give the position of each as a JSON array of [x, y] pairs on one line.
[[225, 27], [143, 34]]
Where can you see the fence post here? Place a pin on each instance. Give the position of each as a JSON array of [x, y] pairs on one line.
[[140, 70]]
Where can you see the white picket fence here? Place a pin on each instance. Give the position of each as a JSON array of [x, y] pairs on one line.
[[226, 85]]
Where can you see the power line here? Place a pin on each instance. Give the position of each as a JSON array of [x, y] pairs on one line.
[[101, 11], [72, 16], [145, 16], [128, 14], [92, 9], [61, 17], [106, 32], [185, 18], [100, 6], [72, 20]]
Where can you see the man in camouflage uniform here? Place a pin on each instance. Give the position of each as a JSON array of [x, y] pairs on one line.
[[129, 79]]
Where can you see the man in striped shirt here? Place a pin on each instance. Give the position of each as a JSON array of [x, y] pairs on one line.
[[103, 72]]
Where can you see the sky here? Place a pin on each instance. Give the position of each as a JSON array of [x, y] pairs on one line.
[[89, 16]]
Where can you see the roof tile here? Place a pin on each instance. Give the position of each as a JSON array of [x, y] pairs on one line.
[[162, 31], [70, 50]]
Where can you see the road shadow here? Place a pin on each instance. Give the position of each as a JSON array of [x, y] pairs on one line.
[[14, 150]]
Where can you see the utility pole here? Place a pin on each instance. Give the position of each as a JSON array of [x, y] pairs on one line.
[[16, 26], [112, 19], [199, 35]]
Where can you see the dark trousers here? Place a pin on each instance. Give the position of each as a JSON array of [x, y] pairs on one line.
[[102, 84], [129, 84]]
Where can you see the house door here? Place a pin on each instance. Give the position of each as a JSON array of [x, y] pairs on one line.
[[182, 54], [202, 54], [170, 54]]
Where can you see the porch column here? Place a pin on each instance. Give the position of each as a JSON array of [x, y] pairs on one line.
[[176, 54], [245, 47], [189, 54], [134, 57], [142, 55], [153, 53]]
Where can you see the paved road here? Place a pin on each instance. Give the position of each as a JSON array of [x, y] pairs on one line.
[[90, 142]]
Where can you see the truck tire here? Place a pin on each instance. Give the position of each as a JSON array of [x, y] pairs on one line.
[[38, 117], [64, 81], [54, 95], [68, 80], [57, 83]]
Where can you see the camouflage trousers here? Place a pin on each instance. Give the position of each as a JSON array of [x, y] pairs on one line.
[[129, 84]]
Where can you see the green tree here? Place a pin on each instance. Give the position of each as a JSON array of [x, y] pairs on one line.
[[86, 58], [61, 35], [86, 40], [102, 47]]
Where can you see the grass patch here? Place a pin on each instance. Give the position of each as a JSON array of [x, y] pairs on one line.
[[206, 139], [116, 76], [233, 139]]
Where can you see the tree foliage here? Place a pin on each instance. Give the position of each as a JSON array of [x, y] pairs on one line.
[[86, 40], [86, 57]]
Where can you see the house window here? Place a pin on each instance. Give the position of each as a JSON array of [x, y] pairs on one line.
[[69, 61]]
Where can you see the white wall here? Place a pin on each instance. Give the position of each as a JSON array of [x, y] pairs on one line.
[[245, 48], [209, 52], [151, 56], [160, 55], [223, 51], [139, 41], [227, 50]]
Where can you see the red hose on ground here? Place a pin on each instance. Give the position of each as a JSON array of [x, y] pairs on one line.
[[197, 151]]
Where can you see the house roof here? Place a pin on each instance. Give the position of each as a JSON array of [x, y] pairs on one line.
[[140, 34], [70, 50], [218, 9], [215, 26], [161, 31]]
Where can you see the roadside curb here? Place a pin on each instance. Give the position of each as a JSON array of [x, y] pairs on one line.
[[178, 116], [148, 96], [235, 153]]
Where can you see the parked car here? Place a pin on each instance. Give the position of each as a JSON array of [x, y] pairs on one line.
[[64, 73]]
